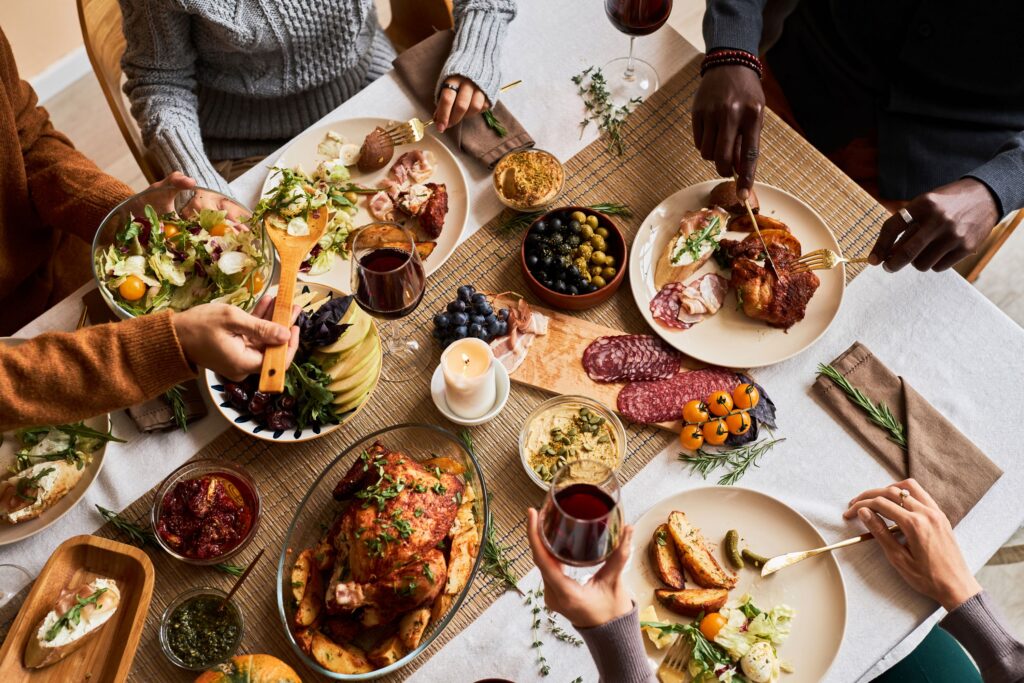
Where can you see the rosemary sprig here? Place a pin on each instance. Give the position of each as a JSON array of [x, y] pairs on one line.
[[737, 461], [494, 124], [533, 600], [878, 413], [140, 536], [495, 563], [600, 109], [518, 221], [177, 402]]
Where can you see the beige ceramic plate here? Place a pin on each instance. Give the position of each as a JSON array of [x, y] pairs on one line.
[[447, 170], [9, 533], [730, 338], [813, 588]]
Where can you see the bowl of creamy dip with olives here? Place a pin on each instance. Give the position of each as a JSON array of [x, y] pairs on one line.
[[568, 428]]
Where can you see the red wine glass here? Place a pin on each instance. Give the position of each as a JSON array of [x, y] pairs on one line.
[[388, 282], [629, 78], [581, 521]]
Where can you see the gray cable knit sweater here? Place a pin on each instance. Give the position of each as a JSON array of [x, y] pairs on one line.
[[227, 79]]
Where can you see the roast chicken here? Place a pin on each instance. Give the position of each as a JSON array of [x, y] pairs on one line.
[[386, 541]]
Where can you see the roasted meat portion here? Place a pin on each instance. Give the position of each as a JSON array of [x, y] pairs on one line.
[[778, 299], [436, 208]]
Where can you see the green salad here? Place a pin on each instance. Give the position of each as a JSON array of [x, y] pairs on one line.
[[157, 262], [72, 443]]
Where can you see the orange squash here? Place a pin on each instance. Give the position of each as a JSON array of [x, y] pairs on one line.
[[250, 669]]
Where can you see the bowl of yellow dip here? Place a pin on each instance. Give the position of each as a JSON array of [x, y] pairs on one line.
[[528, 179], [566, 428]]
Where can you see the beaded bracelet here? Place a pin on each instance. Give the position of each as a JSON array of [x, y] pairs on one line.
[[724, 57]]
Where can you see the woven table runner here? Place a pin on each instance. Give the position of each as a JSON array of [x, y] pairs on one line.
[[659, 159]]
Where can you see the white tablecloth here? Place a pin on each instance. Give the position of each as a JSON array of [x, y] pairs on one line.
[[936, 330]]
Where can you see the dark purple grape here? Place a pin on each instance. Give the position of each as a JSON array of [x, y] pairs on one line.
[[440, 333], [475, 329], [442, 320], [460, 332], [503, 314], [478, 299], [484, 309], [502, 329], [460, 319], [477, 319], [457, 306], [466, 293], [280, 420], [259, 403]]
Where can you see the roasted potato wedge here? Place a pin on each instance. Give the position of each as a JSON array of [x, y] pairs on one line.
[[312, 600], [724, 195], [440, 607], [342, 659], [665, 558], [465, 544], [696, 556], [445, 464], [300, 573], [692, 601], [304, 639], [741, 223], [386, 652], [412, 626]]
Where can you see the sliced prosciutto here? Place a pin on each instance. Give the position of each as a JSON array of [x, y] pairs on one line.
[[663, 400], [630, 357], [381, 206], [682, 306], [524, 325]]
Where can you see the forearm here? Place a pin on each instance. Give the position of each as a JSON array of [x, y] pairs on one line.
[[618, 650], [734, 24], [68, 376], [978, 627], [1003, 174], [480, 28]]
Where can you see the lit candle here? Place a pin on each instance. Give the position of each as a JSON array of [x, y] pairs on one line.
[[468, 367]]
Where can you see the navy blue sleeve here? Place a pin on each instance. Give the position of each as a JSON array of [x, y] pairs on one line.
[[1004, 175], [734, 24]]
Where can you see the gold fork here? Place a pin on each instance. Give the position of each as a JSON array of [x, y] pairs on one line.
[[673, 669], [822, 259], [413, 130], [789, 559]]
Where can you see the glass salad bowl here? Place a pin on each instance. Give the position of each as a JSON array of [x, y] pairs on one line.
[[204, 252], [313, 521]]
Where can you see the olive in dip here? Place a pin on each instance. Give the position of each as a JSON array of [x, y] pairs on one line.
[[566, 432], [206, 517], [201, 630]]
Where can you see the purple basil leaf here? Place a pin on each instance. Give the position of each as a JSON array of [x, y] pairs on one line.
[[324, 326], [764, 411]]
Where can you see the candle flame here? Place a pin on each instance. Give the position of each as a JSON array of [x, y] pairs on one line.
[[465, 363]]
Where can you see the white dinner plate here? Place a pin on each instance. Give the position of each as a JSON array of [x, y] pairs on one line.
[[10, 533], [813, 588], [729, 338], [447, 170]]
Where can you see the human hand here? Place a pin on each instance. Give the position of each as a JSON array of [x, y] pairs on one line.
[[950, 223], [230, 341], [452, 107], [176, 180], [930, 561], [163, 201], [596, 602], [728, 111]]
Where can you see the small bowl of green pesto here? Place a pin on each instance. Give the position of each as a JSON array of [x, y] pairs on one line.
[[198, 630]]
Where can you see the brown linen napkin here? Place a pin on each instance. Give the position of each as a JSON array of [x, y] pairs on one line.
[[946, 463], [156, 414], [419, 68]]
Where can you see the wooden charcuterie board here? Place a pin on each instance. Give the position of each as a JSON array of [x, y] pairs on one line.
[[554, 362]]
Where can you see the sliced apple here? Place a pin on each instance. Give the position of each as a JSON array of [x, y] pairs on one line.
[[360, 324], [341, 365], [357, 378]]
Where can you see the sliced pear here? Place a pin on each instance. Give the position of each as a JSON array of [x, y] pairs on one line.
[[339, 365], [360, 323], [358, 378], [349, 399]]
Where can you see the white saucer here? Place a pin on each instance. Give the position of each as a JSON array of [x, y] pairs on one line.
[[503, 388]]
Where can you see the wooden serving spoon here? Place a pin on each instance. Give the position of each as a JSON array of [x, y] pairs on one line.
[[291, 249]]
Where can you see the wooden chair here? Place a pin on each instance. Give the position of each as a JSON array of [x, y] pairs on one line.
[[104, 43], [972, 266], [414, 20]]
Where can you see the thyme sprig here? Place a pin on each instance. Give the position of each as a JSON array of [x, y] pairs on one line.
[[736, 461], [494, 124], [518, 221], [600, 109], [878, 413], [177, 403], [141, 537], [534, 600]]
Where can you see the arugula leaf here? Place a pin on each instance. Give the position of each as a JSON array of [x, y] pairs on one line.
[[73, 616], [126, 234], [307, 384]]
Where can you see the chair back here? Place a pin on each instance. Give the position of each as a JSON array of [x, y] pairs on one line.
[[414, 20], [103, 35]]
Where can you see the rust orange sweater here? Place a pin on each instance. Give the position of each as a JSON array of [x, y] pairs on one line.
[[52, 200]]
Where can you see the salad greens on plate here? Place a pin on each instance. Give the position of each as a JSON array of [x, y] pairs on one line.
[[157, 262], [70, 442]]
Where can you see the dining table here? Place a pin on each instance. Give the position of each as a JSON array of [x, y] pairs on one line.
[[934, 329]]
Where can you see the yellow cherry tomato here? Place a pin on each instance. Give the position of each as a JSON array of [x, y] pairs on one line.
[[219, 229], [255, 283], [170, 230], [745, 396], [720, 403], [132, 289], [711, 624], [695, 411], [738, 423], [715, 432], [691, 438]]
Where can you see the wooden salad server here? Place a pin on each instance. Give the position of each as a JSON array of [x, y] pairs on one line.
[[789, 559], [291, 250]]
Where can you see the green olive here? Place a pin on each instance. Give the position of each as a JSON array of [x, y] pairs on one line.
[[598, 243], [599, 281], [587, 232], [595, 271], [609, 260], [603, 232], [608, 272], [578, 216], [351, 196], [592, 221], [598, 257]]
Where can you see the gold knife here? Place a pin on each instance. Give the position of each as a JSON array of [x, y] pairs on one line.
[[757, 229], [789, 559]]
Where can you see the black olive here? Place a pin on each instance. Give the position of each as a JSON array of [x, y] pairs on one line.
[[572, 289], [560, 286], [540, 227], [531, 261], [556, 223], [575, 226], [547, 262]]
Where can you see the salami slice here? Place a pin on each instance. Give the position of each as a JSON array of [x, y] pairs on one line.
[[666, 304], [630, 358], [662, 400]]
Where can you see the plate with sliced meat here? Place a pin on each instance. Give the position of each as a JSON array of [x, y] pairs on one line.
[[420, 185], [701, 280]]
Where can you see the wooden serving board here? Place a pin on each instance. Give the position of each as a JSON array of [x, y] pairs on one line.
[[555, 364], [108, 656]]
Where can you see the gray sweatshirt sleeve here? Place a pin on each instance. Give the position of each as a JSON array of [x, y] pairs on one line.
[[977, 626], [618, 650], [1004, 175], [734, 24], [159, 63], [480, 27]]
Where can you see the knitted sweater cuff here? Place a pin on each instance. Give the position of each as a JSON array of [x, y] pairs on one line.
[[154, 354], [180, 148], [476, 52], [977, 626], [618, 650]]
